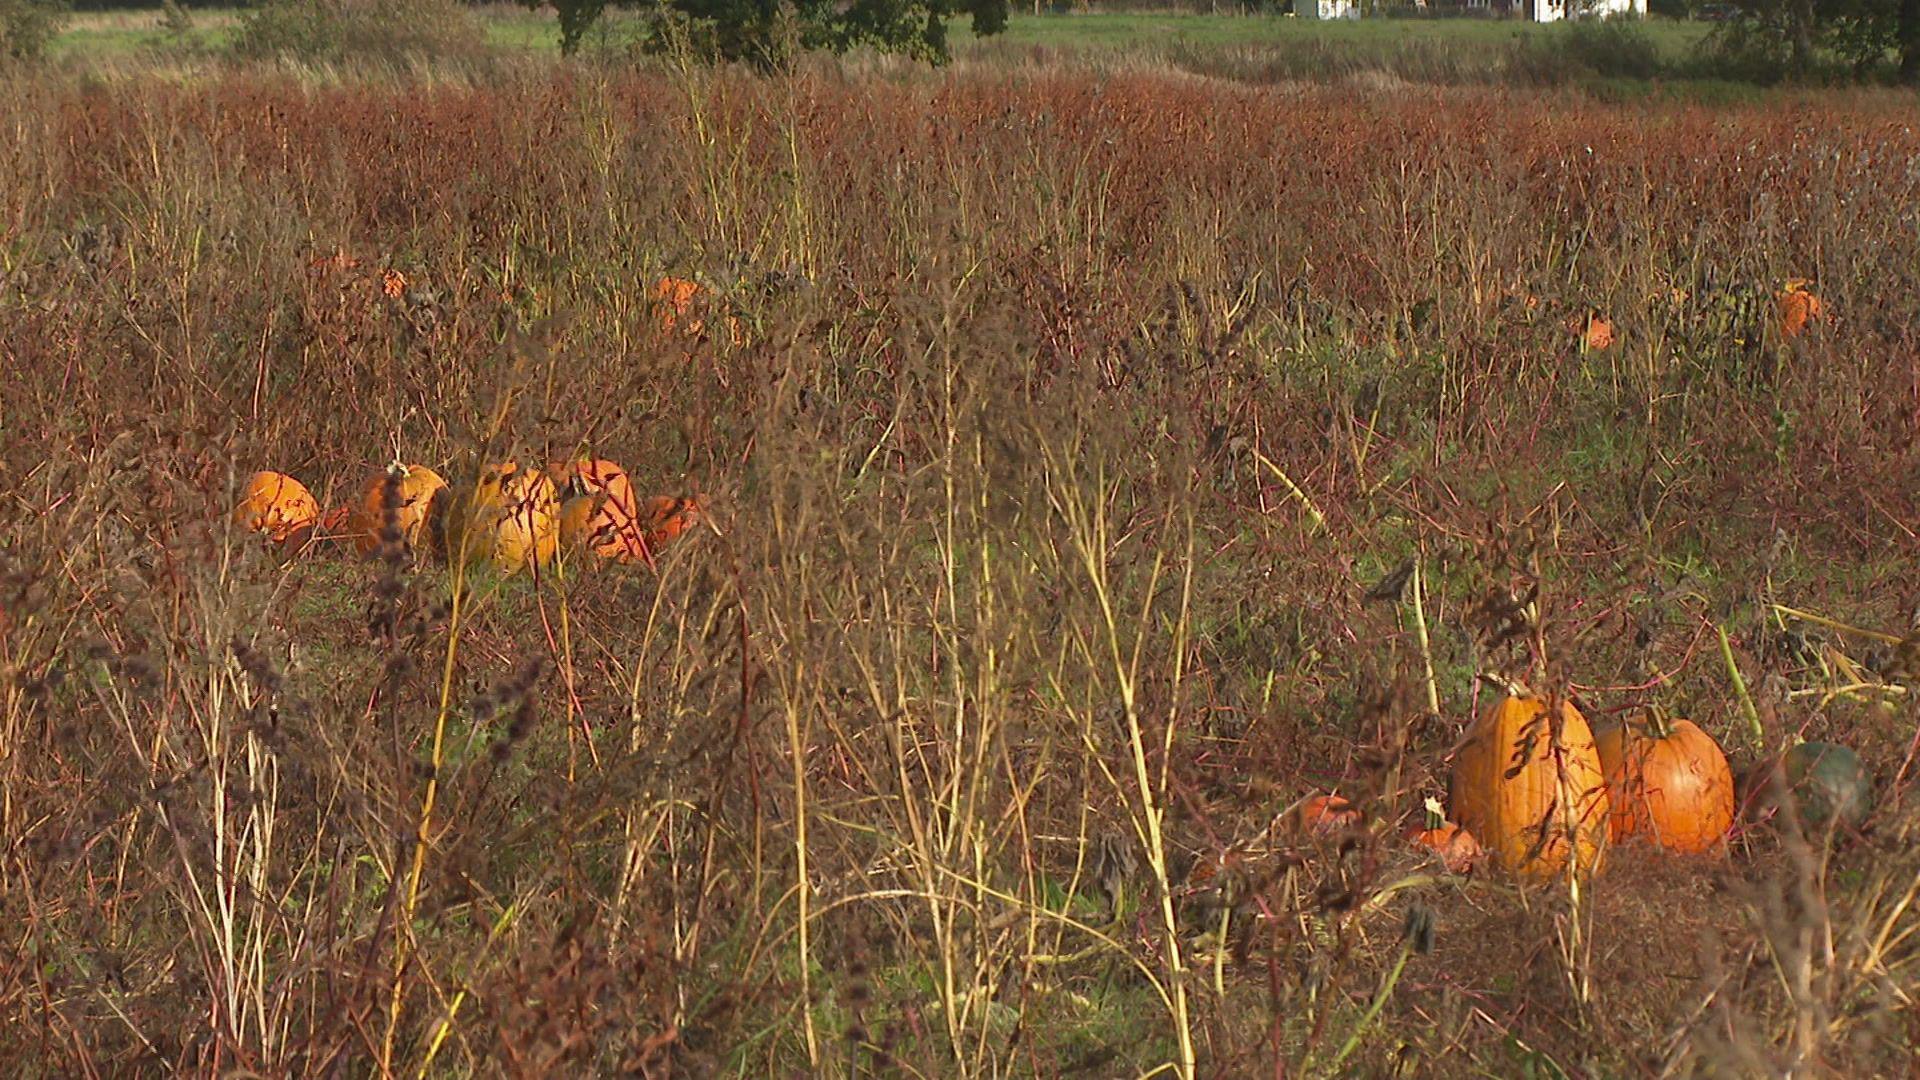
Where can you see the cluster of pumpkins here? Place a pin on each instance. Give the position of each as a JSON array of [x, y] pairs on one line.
[[511, 518], [1796, 307], [1534, 788]]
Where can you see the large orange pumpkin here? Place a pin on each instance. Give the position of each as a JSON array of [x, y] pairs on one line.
[[1455, 846], [1527, 783], [1667, 782], [597, 509], [277, 505], [1795, 308], [510, 519], [419, 494]]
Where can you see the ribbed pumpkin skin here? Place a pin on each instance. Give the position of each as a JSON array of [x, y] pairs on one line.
[[418, 487], [511, 519], [276, 504], [1676, 791], [597, 509], [1556, 793]]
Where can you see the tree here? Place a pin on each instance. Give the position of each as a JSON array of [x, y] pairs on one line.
[[1859, 33], [28, 26], [769, 33], [1907, 35], [575, 17]]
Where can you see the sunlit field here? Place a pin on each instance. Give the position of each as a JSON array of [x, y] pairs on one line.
[[1040, 481]]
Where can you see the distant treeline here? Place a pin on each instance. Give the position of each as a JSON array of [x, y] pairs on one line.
[[152, 5], [196, 5]]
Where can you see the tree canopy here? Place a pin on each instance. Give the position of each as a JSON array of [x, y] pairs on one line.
[[769, 33], [1862, 34]]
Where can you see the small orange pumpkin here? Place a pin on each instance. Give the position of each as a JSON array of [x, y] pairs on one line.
[[1323, 815], [1456, 847], [333, 523], [1667, 781], [1795, 308], [676, 300], [419, 493], [664, 517], [1527, 783], [1596, 332], [674, 297], [276, 505]]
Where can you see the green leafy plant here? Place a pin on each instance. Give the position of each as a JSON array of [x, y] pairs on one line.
[[27, 27]]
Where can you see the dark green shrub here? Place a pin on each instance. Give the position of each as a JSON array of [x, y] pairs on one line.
[[28, 26], [339, 30], [1608, 48], [770, 33]]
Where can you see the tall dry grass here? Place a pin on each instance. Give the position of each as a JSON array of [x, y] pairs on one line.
[[1070, 422]]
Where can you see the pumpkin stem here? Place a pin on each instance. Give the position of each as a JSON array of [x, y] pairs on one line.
[[1513, 688], [1436, 815], [1659, 721]]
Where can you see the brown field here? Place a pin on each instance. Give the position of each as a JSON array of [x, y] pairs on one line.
[[1054, 429]]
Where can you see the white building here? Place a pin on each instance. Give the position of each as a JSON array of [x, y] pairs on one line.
[[1544, 11], [1328, 9], [1555, 10]]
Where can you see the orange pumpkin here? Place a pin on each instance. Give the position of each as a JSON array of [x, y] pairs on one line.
[[1795, 307], [418, 492], [277, 505], [333, 523], [1322, 815], [597, 509], [1527, 783], [510, 519], [1596, 332], [664, 517], [1456, 847], [1668, 782], [675, 299]]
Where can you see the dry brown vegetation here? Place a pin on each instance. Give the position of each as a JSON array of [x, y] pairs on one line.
[[1070, 423]]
